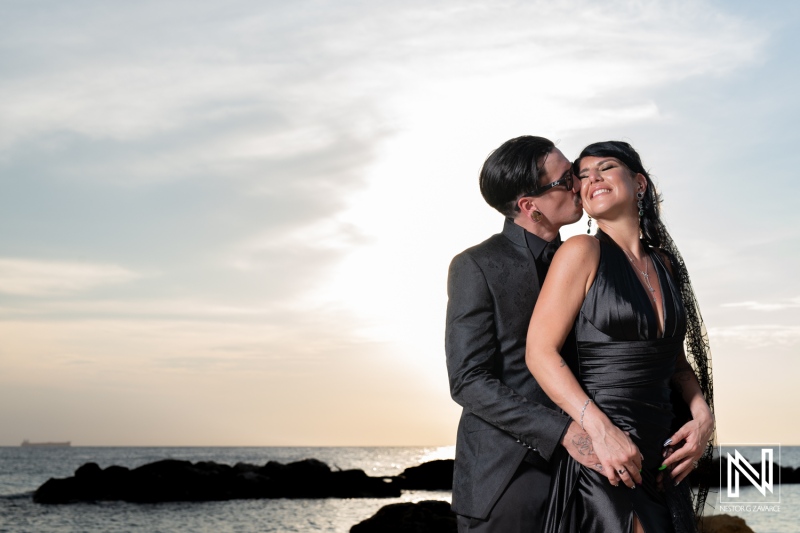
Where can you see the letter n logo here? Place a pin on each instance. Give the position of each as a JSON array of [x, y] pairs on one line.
[[741, 472], [739, 465]]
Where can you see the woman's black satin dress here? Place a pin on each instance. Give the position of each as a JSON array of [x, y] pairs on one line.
[[625, 367]]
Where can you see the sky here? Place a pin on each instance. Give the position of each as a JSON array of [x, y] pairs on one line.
[[229, 223]]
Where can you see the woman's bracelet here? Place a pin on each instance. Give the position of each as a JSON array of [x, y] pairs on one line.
[[583, 410]]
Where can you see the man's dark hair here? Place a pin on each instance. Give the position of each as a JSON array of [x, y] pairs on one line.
[[512, 171]]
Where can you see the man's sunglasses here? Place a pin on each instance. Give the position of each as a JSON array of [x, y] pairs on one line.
[[566, 181]]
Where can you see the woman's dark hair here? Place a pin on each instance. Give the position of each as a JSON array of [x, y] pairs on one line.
[[654, 233], [650, 222], [513, 170]]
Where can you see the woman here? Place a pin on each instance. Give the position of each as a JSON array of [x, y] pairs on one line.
[[627, 294]]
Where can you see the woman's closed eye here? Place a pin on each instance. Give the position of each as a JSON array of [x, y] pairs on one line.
[[602, 168]]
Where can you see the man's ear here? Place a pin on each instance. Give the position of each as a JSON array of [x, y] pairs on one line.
[[526, 206]]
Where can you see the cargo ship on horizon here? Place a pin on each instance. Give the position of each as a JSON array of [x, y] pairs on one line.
[[28, 444]]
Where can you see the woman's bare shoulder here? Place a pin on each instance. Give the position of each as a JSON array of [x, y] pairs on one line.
[[578, 252], [581, 245]]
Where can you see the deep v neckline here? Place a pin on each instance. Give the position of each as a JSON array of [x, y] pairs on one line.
[[652, 317], [659, 268]]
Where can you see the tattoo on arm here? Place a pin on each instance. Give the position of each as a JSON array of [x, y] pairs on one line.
[[583, 443], [682, 377]]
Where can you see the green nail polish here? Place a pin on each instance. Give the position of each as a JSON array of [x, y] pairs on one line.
[[662, 467]]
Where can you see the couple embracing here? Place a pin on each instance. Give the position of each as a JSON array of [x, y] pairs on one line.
[[581, 410]]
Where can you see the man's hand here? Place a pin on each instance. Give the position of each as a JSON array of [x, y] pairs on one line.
[[579, 446]]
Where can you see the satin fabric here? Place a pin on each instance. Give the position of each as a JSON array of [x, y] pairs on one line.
[[625, 367]]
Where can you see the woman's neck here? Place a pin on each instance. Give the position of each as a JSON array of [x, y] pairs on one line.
[[626, 234]]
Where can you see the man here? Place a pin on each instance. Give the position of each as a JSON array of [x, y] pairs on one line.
[[509, 428]]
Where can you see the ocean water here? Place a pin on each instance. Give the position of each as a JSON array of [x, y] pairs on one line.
[[22, 470]]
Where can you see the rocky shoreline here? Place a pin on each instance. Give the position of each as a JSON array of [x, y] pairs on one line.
[[172, 480], [175, 480]]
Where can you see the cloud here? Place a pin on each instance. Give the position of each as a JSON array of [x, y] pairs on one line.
[[138, 71], [175, 142], [574, 64], [227, 141], [791, 303], [751, 336], [48, 278]]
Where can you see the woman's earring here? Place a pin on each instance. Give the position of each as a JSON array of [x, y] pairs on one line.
[[640, 203], [536, 216], [589, 229]]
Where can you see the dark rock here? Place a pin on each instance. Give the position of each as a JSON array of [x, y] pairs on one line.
[[114, 483], [302, 479], [433, 475], [357, 484], [723, 523], [88, 471], [429, 516], [59, 491], [245, 467], [174, 480], [789, 475]]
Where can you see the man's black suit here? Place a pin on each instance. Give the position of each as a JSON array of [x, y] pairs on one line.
[[507, 418]]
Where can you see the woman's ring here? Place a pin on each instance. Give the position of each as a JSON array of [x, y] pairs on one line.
[[695, 464], [621, 471]]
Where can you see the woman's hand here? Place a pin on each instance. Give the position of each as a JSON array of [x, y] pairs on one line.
[[688, 445], [685, 448]]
